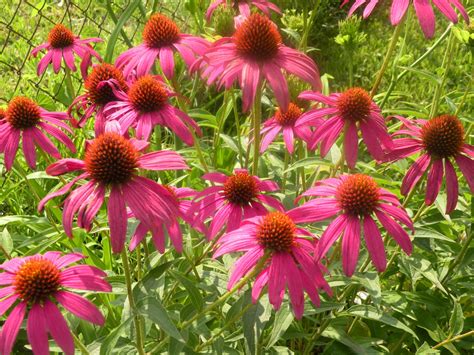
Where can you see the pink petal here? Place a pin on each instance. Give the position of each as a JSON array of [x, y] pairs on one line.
[[332, 232], [374, 243], [80, 307], [435, 179], [396, 231], [452, 189], [117, 217], [58, 327], [351, 245], [351, 142], [37, 331], [162, 160], [11, 327], [415, 173], [398, 10], [426, 16], [467, 168]]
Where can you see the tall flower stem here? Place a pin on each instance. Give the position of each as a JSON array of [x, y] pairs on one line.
[[301, 156], [229, 293], [178, 144], [237, 127], [308, 23], [447, 59], [80, 345], [69, 86], [400, 76], [387, 59], [257, 117], [133, 306]]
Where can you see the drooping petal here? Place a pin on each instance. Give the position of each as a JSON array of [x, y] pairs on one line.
[[37, 331], [117, 217], [351, 245], [11, 327], [452, 189], [80, 307], [58, 327], [396, 231], [435, 179], [374, 243]]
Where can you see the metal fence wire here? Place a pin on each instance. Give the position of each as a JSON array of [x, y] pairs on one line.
[[25, 24]]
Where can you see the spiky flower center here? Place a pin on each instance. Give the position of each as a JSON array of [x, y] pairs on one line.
[[147, 94], [23, 113], [443, 136], [160, 31], [103, 94], [240, 188], [358, 195], [289, 117], [36, 280], [60, 36], [276, 232], [111, 159], [354, 104], [257, 38]]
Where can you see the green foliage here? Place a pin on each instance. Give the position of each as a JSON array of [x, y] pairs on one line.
[[419, 302]]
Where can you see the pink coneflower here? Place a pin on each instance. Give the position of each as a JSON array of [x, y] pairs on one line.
[[145, 105], [234, 198], [244, 7], [62, 45], [111, 164], [440, 140], [423, 8], [254, 53], [349, 112], [290, 263], [35, 284], [161, 38], [97, 95], [26, 121], [182, 196], [355, 199], [286, 122]]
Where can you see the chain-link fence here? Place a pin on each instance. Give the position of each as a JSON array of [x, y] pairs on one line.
[[25, 24]]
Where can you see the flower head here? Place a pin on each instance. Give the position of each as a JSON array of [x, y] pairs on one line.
[[349, 112], [256, 52], [97, 94], [244, 7], [182, 196], [146, 104], [161, 38], [290, 262], [285, 122], [25, 120], [355, 200], [234, 198], [441, 142], [35, 285], [62, 45], [111, 166], [423, 8]]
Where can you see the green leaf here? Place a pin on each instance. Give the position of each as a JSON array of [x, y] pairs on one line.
[[151, 308], [109, 53], [6, 242], [109, 342], [370, 312], [194, 294], [456, 322], [283, 319], [426, 349], [342, 337]]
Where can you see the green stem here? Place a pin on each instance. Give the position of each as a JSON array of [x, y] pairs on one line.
[[69, 86], [387, 59], [285, 173], [307, 26], [237, 127], [133, 306], [316, 336], [450, 340], [447, 59], [79, 344], [257, 116], [301, 156], [229, 293], [415, 63]]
